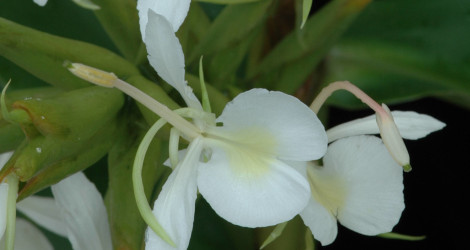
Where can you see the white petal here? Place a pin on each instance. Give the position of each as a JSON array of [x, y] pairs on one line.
[[43, 211], [40, 2], [259, 114], [321, 222], [181, 154], [84, 213], [368, 185], [415, 126], [251, 190], [166, 56], [28, 237], [3, 207], [4, 157], [174, 11], [175, 205], [411, 125]]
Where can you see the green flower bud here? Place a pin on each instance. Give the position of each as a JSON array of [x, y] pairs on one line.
[[90, 152], [61, 127]]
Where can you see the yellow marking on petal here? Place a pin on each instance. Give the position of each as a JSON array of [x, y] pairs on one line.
[[329, 191], [250, 151]]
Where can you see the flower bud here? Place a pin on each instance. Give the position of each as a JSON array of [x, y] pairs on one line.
[[62, 127], [392, 138], [90, 152]]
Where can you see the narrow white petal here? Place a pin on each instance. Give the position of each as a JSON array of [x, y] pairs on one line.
[[295, 130], [28, 237], [251, 190], [3, 207], [414, 126], [166, 56], [4, 157], [175, 205], [321, 222], [84, 213], [411, 125], [40, 2], [368, 185], [45, 212], [174, 11]]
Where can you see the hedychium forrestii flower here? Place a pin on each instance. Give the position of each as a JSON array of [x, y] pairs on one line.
[[77, 212], [360, 184], [237, 161]]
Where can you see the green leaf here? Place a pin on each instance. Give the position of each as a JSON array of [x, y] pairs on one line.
[[224, 65], [424, 52], [277, 231], [397, 236], [120, 20], [292, 237], [388, 73], [288, 65], [230, 27], [43, 55], [306, 6], [193, 28], [229, 1], [61, 18], [87, 4]]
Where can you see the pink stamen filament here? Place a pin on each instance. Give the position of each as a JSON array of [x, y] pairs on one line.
[[353, 89]]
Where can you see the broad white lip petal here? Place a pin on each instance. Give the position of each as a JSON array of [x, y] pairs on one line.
[[174, 11], [83, 212], [43, 211], [40, 2], [411, 125], [166, 56], [3, 207], [31, 237], [175, 205], [296, 130], [250, 190], [371, 200], [320, 221]]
